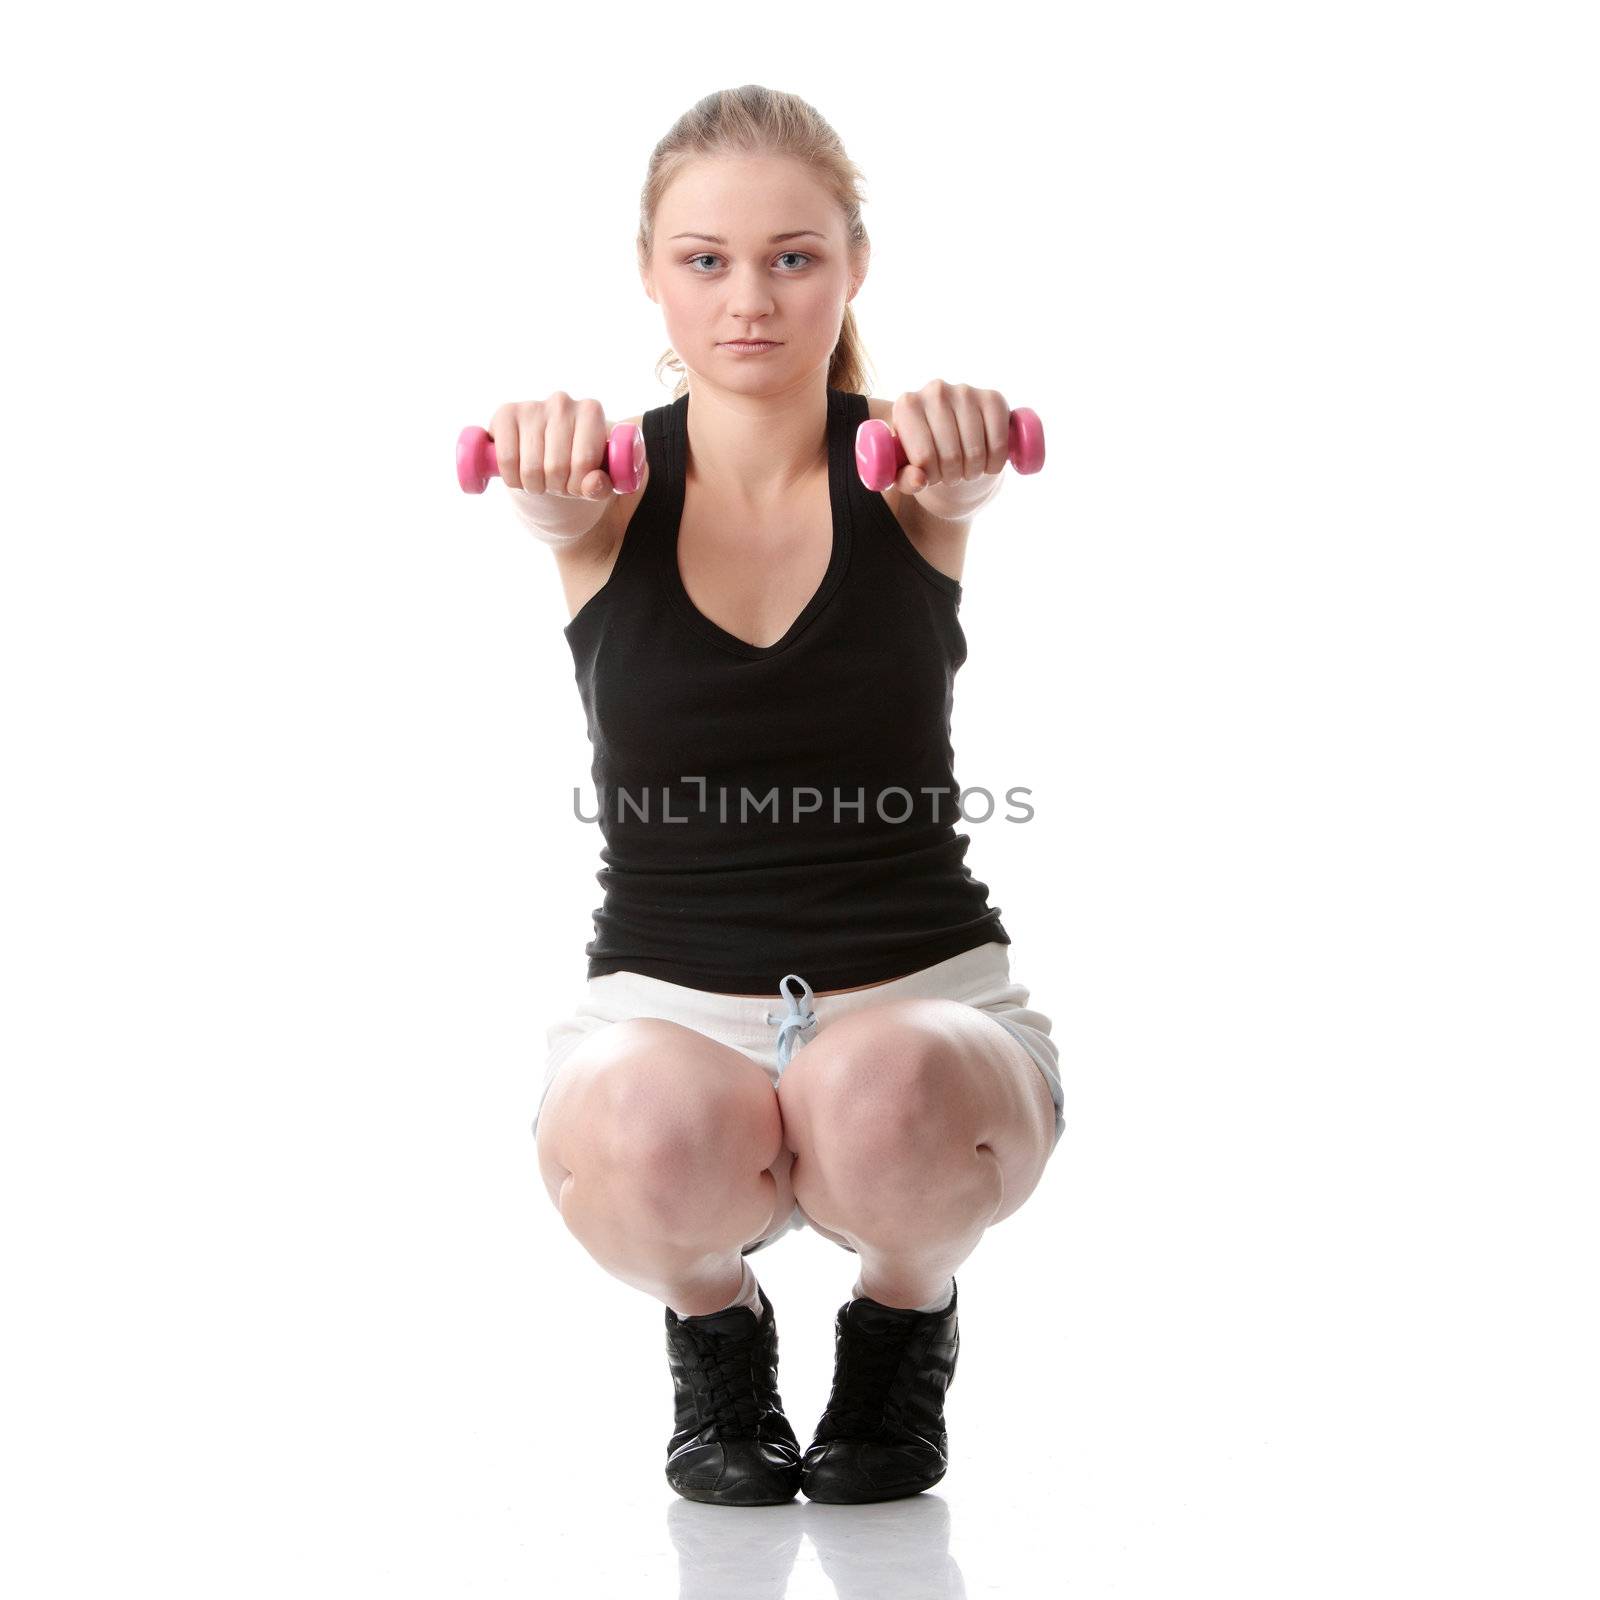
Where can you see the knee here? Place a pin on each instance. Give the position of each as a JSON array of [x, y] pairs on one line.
[[872, 1090], [675, 1120], [883, 1128]]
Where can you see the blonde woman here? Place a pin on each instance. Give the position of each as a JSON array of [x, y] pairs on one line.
[[799, 1008]]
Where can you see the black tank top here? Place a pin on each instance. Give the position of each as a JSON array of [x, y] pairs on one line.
[[766, 808]]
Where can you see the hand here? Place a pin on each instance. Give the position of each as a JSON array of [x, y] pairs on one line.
[[553, 448], [951, 433]]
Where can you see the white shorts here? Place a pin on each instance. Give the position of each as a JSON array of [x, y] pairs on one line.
[[767, 1029]]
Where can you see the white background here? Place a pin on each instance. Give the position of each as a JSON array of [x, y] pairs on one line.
[[1293, 640]]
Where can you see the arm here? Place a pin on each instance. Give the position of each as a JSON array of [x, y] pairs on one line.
[[937, 519], [564, 521], [958, 502], [559, 523]]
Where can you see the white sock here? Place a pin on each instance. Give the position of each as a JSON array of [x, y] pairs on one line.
[[747, 1295], [938, 1303]]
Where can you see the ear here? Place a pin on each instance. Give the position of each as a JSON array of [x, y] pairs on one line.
[[858, 278]]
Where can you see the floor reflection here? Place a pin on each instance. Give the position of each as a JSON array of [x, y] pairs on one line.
[[888, 1550]]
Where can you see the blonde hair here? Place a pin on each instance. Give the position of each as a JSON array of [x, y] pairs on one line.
[[752, 120]]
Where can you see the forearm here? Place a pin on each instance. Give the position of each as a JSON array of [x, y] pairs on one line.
[[956, 502], [555, 521]]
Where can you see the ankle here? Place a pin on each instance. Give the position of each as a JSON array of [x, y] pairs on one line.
[[939, 1301], [747, 1294]]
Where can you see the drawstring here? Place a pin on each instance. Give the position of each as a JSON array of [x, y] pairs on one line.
[[796, 1024]]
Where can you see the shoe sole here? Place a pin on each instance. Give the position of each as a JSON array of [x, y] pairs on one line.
[[713, 1497], [823, 1497]]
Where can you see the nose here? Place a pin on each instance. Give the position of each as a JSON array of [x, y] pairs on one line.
[[750, 299]]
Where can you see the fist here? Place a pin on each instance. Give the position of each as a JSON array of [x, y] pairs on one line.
[[951, 433]]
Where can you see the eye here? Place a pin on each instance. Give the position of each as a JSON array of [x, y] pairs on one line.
[[787, 254]]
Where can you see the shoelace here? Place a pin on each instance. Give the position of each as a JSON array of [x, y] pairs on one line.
[[868, 1383], [723, 1379], [795, 1024]]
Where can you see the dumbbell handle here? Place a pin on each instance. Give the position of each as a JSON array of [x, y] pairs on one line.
[[477, 463], [880, 455]]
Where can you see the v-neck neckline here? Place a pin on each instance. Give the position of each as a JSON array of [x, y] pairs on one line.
[[839, 453]]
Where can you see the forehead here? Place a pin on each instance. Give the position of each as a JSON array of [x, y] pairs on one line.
[[745, 197]]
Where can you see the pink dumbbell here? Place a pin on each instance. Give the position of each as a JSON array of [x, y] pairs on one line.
[[477, 463], [880, 455]]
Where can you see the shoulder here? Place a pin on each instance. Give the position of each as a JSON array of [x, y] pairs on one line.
[[942, 544]]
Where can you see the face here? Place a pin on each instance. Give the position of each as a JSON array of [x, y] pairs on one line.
[[751, 285]]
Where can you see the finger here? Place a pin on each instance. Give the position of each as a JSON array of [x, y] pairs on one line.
[[971, 437], [588, 447], [997, 431], [503, 429], [916, 439], [945, 428], [558, 451], [911, 479], [531, 456]]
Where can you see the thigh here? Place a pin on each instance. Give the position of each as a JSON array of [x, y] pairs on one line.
[[1028, 1112], [1031, 1029], [649, 1090]]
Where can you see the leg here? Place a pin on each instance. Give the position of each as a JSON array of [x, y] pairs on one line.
[[916, 1124], [656, 1143]]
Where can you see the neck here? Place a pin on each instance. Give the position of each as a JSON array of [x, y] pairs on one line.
[[756, 448]]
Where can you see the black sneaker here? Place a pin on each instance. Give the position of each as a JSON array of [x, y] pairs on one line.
[[731, 1444], [882, 1435]]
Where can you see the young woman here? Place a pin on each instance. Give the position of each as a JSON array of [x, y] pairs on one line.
[[766, 653]]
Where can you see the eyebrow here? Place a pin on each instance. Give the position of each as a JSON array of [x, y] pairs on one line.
[[777, 238]]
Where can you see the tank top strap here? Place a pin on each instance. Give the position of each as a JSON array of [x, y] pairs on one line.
[[646, 527], [854, 411], [846, 412], [851, 411], [671, 440]]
